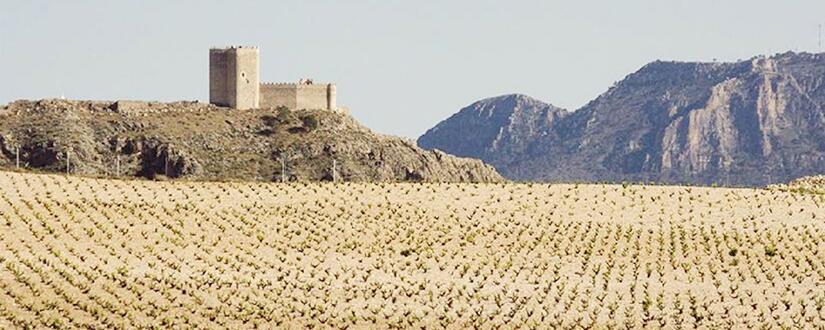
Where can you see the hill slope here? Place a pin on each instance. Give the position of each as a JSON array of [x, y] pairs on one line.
[[749, 123], [199, 141], [110, 254]]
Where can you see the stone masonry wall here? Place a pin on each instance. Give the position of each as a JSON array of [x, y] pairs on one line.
[[234, 82], [276, 95], [247, 94], [298, 96], [312, 96], [218, 75]]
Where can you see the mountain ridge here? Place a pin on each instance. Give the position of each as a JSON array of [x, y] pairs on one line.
[[750, 122]]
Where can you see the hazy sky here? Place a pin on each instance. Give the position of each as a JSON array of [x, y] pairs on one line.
[[401, 67]]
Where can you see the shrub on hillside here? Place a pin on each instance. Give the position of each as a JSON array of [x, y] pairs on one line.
[[310, 122]]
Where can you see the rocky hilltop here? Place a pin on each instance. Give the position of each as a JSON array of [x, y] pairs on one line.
[[203, 142], [497, 130], [749, 123]]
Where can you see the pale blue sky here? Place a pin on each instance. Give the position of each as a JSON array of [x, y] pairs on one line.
[[400, 67]]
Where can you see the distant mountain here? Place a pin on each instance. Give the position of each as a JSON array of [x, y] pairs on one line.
[[497, 130], [745, 123], [199, 141]]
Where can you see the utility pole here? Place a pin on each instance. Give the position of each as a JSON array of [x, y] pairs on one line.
[[283, 170], [166, 160], [727, 177], [334, 170], [727, 173], [68, 160]]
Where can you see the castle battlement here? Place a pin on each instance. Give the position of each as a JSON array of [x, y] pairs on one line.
[[233, 47], [295, 84], [234, 82]]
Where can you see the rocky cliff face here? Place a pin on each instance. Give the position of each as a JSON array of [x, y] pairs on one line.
[[747, 123], [202, 142]]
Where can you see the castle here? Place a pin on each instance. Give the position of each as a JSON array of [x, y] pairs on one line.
[[234, 82]]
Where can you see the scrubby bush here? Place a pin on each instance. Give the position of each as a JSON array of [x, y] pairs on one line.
[[310, 122], [284, 114]]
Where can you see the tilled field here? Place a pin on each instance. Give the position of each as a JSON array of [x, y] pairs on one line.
[[93, 253]]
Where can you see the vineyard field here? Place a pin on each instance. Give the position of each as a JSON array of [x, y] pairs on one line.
[[80, 252]]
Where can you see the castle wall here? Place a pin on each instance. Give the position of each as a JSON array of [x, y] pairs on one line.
[[218, 76], [234, 82], [276, 95], [298, 96], [312, 97], [247, 95]]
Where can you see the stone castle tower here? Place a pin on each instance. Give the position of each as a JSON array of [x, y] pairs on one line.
[[234, 82], [233, 77]]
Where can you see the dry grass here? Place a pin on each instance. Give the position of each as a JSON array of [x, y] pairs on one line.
[[80, 252]]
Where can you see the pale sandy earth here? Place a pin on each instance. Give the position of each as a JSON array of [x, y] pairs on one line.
[[95, 253]]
